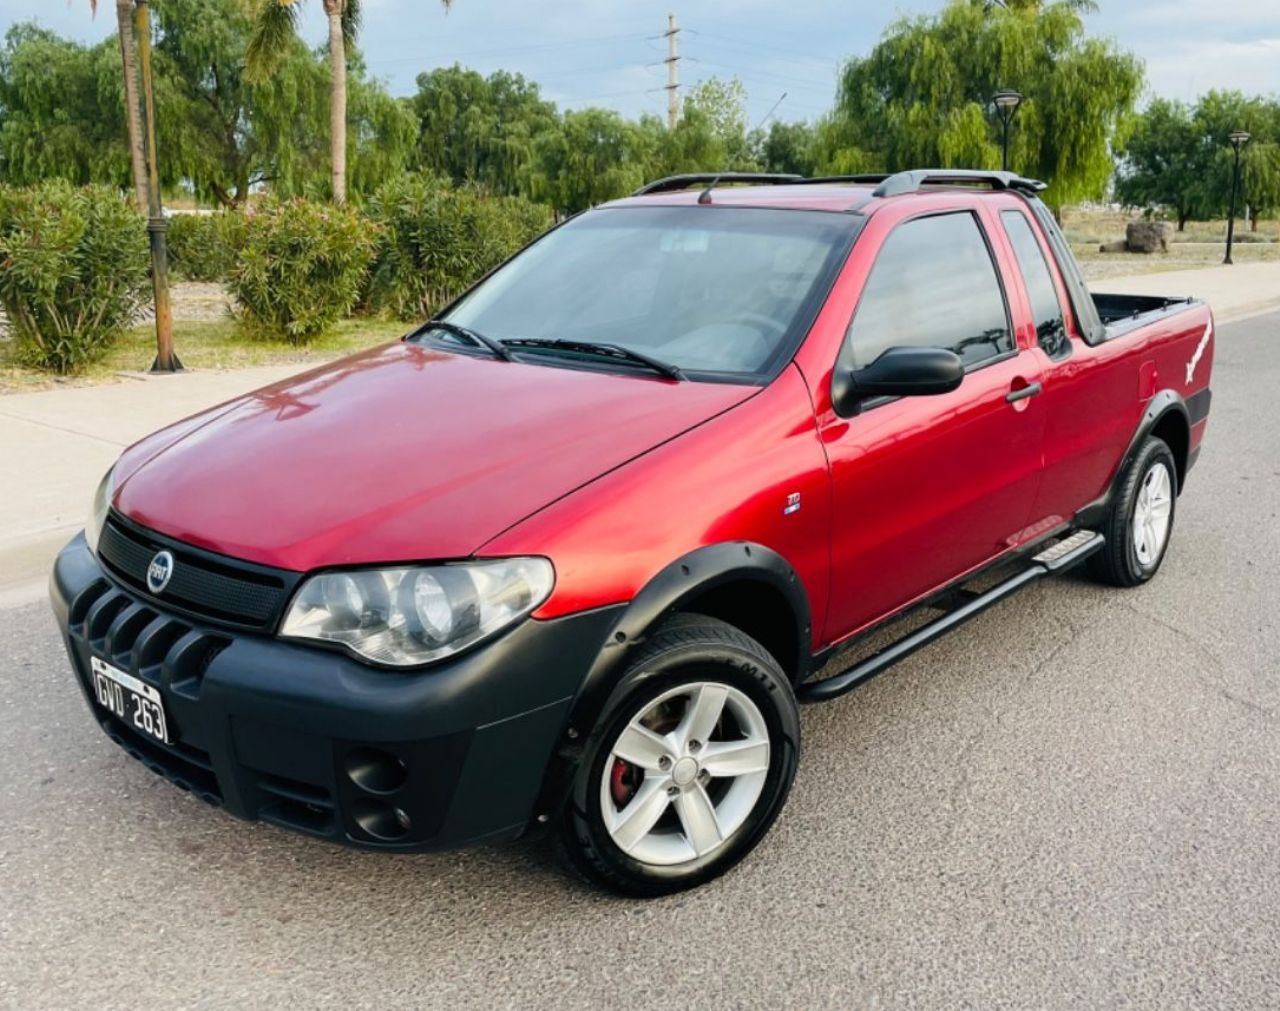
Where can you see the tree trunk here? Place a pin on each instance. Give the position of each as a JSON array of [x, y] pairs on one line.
[[1182, 220], [337, 99], [132, 102]]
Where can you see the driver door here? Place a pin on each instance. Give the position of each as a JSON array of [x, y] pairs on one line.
[[928, 488]]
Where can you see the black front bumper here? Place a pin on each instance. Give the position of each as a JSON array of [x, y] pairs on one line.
[[314, 741]]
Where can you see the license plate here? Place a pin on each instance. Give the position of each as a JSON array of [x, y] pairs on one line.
[[133, 701]]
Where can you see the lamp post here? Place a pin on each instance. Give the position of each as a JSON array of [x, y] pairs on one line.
[[1239, 138], [1006, 101]]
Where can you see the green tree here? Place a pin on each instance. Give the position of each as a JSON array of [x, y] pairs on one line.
[[789, 147], [1260, 176], [722, 107], [693, 146], [275, 25], [222, 133], [479, 129], [921, 98], [1217, 114], [841, 147], [596, 155], [62, 110], [1167, 162]]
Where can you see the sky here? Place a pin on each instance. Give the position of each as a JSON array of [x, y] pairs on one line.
[[610, 52]]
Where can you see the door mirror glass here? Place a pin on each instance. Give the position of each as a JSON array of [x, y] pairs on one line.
[[898, 372]]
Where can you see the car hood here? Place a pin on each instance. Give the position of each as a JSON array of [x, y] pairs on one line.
[[400, 453]]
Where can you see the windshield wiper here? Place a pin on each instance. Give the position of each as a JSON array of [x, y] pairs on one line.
[[474, 336], [615, 351]]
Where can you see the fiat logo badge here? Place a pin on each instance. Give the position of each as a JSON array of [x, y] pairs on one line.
[[159, 572]]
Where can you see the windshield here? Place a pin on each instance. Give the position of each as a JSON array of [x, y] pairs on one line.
[[707, 289]]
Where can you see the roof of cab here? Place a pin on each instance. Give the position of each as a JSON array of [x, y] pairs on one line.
[[803, 197], [834, 193]]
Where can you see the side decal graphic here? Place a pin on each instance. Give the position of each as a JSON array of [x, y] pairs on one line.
[[1199, 352]]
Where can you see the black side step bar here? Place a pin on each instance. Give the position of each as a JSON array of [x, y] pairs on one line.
[[1056, 558]]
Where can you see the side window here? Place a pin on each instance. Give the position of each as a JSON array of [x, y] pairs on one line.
[[934, 284], [1051, 330]]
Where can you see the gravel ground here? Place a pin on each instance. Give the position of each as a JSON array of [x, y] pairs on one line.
[[196, 302], [191, 302], [1071, 802]]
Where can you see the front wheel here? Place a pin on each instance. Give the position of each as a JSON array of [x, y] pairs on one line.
[[1141, 518], [690, 764]]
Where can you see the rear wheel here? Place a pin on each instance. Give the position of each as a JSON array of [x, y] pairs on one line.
[[1140, 522], [690, 764]]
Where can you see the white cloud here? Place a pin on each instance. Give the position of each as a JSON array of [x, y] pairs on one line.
[[1186, 69]]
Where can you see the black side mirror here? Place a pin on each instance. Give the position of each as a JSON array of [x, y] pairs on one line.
[[898, 372]]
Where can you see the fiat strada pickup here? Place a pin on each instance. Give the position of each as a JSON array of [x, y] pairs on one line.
[[568, 556]]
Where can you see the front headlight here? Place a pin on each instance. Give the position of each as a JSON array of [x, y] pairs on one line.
[[101, 505], [404, 617]]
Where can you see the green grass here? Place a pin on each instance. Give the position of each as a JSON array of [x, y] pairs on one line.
[[1094, 225], [219, 344], [1181, 256]]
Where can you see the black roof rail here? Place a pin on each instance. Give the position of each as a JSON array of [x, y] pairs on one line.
[[912, 181], [689, 179], [861, 177]]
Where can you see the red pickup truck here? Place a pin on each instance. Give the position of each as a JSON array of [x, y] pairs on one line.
[[570, 554]]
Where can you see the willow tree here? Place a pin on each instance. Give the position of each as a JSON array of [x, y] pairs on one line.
[[595, 155], [475, 129], [61, 112], [922, 97], [275, 27]]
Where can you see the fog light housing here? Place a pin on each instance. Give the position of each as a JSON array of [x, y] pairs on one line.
[[380, 820], [376, 771]]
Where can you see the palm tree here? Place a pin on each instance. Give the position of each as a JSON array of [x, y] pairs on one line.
[[275, 26], [132, 110]]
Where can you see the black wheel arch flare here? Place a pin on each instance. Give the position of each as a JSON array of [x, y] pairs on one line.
[[1165, 408], [682, 582], [690, 577]]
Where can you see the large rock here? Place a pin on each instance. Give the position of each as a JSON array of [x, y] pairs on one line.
[[1147, 237]]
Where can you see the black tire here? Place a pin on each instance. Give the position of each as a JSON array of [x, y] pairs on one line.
[[684, 649], [1118, 563]]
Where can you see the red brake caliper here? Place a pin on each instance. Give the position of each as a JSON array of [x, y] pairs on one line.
[[622, 782]]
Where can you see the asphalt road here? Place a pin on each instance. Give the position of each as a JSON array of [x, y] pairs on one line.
[[1073, 802]]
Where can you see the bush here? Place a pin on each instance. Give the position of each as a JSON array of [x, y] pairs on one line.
[[435, 241], [302, 268], [74, 271], [206, 247]]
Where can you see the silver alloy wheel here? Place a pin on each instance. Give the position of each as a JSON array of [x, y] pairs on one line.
[[701, 749], [1152, 514]]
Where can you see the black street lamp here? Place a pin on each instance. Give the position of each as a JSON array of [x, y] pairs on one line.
[[1239, 138], [1006, 101]]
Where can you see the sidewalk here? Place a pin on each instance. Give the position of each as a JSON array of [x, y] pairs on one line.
[[56, 444], [1236, 292]]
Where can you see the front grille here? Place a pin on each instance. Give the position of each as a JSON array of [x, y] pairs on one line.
[[202, 583], [162, 651]]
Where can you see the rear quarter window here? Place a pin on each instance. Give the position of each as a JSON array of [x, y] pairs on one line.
[[1051, 329]]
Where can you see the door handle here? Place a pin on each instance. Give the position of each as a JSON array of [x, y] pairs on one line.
[[1023, 392]]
